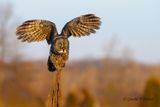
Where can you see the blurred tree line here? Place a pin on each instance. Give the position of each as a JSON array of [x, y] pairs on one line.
[[9, 49]]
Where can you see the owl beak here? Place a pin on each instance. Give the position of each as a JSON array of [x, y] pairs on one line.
[[64, 51], [61, 51]]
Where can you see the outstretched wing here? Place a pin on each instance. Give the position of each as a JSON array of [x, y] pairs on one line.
[[36, 30], [81, 26]]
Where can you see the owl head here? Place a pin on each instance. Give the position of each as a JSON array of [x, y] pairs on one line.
[[61, 45]]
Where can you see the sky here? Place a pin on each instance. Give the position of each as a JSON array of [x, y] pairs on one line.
[[136, 24]]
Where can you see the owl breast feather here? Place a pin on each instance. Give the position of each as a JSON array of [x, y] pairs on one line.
[[59, 60]]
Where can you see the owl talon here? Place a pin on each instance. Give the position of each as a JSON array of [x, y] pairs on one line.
[[63, 65]]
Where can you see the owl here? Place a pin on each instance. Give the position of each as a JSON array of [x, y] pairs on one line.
[[38, 30]]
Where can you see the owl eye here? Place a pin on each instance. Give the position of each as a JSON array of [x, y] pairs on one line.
[[60, 45]]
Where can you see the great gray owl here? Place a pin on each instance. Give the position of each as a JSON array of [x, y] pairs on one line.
[[38, 30]]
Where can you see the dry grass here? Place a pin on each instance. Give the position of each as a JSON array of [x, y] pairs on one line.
[[107, 81]]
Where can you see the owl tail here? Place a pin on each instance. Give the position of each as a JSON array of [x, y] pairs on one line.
[[51, 66]]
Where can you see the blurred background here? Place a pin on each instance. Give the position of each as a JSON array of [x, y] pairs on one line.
[[119, 66]]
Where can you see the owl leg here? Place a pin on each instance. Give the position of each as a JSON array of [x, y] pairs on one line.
[[51, 66]]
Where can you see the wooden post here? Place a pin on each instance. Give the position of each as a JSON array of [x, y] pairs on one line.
[[55, 97]]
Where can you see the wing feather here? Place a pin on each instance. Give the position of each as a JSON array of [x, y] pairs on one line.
[[36, 30], [81, 26]]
